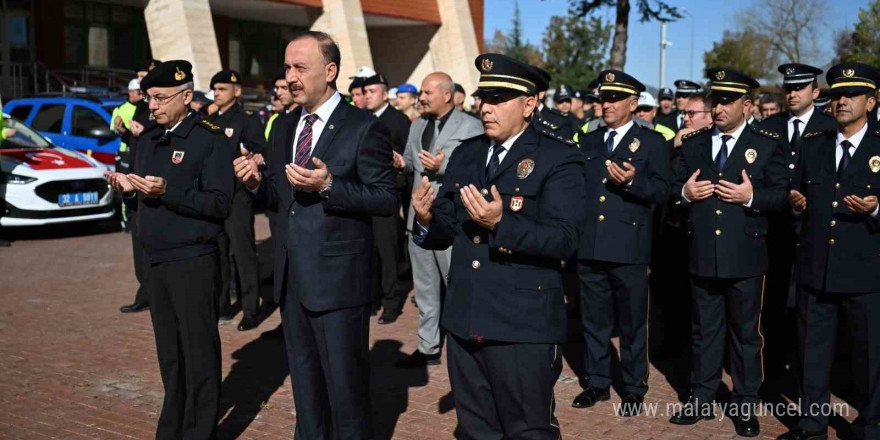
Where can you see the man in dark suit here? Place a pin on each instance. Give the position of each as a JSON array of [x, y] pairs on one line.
[[801, 119], [627, 169], [327, 178], [508, 206], [835, 194], [386, 287], [742, 177], [245, 136]]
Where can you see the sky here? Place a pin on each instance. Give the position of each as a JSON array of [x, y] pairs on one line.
[[707, 21]]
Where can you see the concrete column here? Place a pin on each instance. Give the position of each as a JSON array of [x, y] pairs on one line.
[[184, 30], [454, 46], [344, 21]]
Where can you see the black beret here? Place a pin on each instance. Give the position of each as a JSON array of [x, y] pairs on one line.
[[149, 65], [562, 93], [729, 84], [685, 87], [501, 73], [356, 83], [225, 77], [168, 74], [615, 84], [797, 76], [851, 78], [375, 79]]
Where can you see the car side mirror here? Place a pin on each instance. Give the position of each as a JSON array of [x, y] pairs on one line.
[[103, 133]]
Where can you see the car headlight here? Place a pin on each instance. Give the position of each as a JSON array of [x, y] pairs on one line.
[[15, 178]]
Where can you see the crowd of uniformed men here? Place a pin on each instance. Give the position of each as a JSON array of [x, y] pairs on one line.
[[762, 228]]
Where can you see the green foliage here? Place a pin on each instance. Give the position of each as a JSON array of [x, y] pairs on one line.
[[575, 48], [746, 51], [862, 44]]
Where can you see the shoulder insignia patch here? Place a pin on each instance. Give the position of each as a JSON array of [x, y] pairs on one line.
[[249, 112], [694, 133], [761, 131], [551, 125], [821, 132], [209, 125], [557, 137]]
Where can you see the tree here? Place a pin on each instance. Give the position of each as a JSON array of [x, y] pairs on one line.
[[648, 10], [513, 44], [791, 27], [746, 51], [862, 43], [575, 48]]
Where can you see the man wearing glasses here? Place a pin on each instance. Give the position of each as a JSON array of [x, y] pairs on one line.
[[181, 192]]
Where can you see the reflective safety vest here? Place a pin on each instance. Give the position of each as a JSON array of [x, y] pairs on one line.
[[126, 112]]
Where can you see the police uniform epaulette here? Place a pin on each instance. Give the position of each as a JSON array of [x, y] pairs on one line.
[[761, 131], [694, 133], [557, 137], [209, 125], [816, 133], [549, 124], [249, 112]]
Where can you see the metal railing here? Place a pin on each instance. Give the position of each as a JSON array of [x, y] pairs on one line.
[[34, 78]]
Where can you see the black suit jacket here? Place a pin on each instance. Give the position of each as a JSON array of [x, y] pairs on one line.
[[619, 219], [506, 285], [398, 124], [849, 264], [728, 240], [322, 256]]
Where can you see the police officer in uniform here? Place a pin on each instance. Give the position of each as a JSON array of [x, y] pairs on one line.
[[835, 194], [730, 177], [508, 207], [546, 118], [667, 114], [627, 169], [181, 190], [245, 136], [801, 119], [684, 89]]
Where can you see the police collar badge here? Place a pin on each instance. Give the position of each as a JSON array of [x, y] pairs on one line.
[[751, 155], [524, 168], [229, 131], [177, 157], [874, 163]]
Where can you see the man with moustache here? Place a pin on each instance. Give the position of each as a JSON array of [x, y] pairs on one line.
[[834, 193], [329, 174], [729, 178]]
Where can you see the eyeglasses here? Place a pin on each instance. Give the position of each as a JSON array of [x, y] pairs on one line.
[[692, 113], [161, 100]]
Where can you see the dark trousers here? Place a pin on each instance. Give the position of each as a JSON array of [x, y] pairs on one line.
[[384, 280], [329, 359], [140, 266], [504, 390], [238, 237], [610, 290], [777, 315], [818, 316], [731, 307], [183, 306]]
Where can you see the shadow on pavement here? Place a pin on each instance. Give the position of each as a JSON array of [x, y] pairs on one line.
[[389, 386]]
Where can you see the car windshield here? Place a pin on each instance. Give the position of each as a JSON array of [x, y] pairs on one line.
[[18, 135]]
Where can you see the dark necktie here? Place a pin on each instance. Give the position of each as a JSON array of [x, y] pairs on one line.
[[428, 134], [304, 143], [609, 143], [844, 160], [796, 133], [494, 162], [721, 157]]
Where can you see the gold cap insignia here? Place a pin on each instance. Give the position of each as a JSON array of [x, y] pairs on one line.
[[720, 75], [751, 155], [609, 77], [634, 145], [849, 73], [152, 66], [179, 75], [525, 167], [232, 77], [789, 71], [486, 64], [874, 163]]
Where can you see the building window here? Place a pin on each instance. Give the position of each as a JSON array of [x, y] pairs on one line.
[[104, 35], [256, 49]]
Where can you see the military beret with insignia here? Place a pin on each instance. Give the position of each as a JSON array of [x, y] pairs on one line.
[[225, 77], [375, 79], [356, 83], [168, 74], [149, 65]]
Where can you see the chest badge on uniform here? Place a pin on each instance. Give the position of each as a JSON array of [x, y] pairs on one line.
[[634, 145], [229, 132], [874, 163], [177, 157], [751, 155], [516, 203], [525, 167]]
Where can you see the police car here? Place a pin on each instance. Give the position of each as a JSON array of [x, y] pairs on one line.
[[42, 184]]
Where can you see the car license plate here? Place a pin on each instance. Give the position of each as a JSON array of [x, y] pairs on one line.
[[78, 199]]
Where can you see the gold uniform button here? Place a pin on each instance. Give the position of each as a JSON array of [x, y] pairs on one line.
[[607, 163], [831, 241], [833, 223], [477, 239], [484, 192], [718, 232], [791, 165], [516, 190], [717, 212], [834, 204], [601, 199], [836, 186], [605, 180], [720, 175], [601, 218], [475, 264]]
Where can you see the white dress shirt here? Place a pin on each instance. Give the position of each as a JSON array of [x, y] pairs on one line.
[[324, 111], [855, 140], [716, 147], [506, 144], [804, 120], [621, 132], [379, 112]]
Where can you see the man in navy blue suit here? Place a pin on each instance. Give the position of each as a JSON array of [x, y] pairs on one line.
[[329, 174]]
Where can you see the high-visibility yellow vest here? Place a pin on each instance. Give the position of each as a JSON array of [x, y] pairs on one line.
[[126, 112]]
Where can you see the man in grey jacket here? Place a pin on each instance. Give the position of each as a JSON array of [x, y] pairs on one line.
[[432, 138]]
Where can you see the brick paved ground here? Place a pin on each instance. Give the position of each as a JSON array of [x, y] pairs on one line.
[[73, 367]]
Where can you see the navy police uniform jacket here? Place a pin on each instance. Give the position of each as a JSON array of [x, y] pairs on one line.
[[778, 123], [838, 251], [618, 224], [729, 240], [507, 285]]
